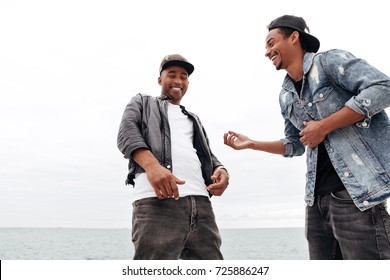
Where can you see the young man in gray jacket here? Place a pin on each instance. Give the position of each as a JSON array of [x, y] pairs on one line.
[[173, 172]]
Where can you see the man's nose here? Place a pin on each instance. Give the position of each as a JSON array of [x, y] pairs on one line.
[[267, 52], [178, 80]]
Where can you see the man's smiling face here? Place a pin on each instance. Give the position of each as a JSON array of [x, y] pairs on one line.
[[276, 45], [174, 83]]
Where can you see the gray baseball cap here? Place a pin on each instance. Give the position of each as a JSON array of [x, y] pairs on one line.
[[176, 60]]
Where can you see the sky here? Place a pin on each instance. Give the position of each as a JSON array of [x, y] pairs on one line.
[[68, 69]]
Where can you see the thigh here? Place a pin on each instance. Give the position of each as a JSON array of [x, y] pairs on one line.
[[159, 228], [322, 243], [204, 240], [361, 235]]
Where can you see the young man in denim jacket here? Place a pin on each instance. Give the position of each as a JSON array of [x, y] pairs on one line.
[[173, 172], [333, 103]]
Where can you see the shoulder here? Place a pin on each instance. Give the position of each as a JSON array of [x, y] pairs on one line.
[[337, 55], [141, 98], [330, 59]]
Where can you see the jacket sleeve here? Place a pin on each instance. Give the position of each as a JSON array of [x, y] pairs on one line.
[[370, 88], [130, 136], [292, 145]]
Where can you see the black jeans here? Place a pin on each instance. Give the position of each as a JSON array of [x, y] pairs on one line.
[[337, 229], [175, 229]]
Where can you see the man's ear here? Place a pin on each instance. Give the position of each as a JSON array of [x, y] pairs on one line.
[[294, 37], [159, 80]]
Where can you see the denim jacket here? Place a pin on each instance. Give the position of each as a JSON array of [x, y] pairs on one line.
[[360, 153], [145, 125]]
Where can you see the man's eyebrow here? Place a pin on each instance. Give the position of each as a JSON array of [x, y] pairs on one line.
[[178, 72]]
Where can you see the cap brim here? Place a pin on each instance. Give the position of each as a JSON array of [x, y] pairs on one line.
[[311, 42], [186, 65]]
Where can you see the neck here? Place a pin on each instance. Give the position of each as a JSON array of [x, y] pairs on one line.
[[295, 69]]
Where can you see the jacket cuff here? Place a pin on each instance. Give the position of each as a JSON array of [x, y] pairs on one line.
[[224, 168], [360, 106]]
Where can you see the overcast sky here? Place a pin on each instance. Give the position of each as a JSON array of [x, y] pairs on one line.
[[68, 69]]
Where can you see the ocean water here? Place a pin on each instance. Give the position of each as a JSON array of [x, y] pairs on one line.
[[115, 244]]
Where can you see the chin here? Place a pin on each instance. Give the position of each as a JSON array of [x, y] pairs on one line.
[[278, 66]]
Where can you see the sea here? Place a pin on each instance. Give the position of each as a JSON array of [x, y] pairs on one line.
[[115, 244]]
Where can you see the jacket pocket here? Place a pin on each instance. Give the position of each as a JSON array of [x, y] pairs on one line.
[[328, 102]]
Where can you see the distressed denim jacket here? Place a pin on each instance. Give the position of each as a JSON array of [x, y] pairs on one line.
[[360, 153]]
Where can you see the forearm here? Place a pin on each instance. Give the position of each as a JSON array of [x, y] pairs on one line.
[[274, 147], [316, 131], [145, 159], [239, 142], [340, 119]]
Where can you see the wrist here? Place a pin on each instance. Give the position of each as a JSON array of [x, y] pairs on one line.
[[224, 168], [326, 125], [251, 145]]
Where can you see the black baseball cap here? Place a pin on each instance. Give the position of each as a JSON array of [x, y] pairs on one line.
[[176, 60], [312, 44]]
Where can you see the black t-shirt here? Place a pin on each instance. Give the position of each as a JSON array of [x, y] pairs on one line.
[[327, 180]]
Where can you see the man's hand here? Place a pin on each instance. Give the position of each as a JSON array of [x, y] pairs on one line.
[[221, 181], [236, 141], [313, 134], [164, 182]]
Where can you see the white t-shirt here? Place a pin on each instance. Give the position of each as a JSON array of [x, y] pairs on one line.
[[185, 162]]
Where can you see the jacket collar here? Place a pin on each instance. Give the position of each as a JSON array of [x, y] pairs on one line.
[[307, 64]]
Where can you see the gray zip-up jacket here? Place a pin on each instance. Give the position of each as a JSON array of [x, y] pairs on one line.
[[145, 125]]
